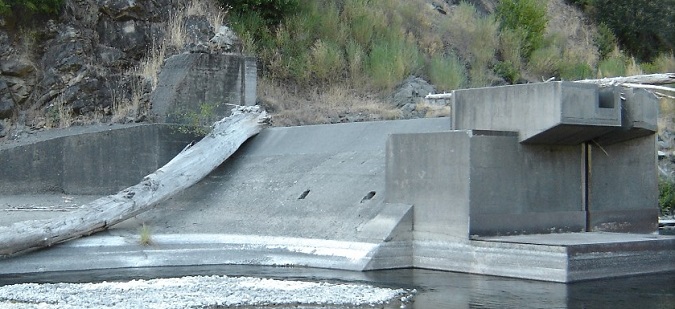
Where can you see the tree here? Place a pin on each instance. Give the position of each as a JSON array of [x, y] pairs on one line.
[[30, 6], [644, 28]]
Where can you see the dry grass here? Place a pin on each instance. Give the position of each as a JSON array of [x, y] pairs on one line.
[[570, 22], [337, 104]]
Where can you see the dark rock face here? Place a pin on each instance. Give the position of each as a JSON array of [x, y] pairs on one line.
[[85, 59]]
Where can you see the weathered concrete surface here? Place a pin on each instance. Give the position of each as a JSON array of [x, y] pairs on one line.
[[323, 182], [466, 183], [623, 186], [189, 81], [559, 113], [315, 196], [639, 111], [100, 162]]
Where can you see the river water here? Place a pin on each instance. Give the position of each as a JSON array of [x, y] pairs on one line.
[[435, 289]]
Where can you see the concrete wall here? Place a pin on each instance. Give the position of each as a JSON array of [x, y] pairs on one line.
[[92, 163], [623, 186], [483, 183], [524, 189], [189, 80], [543, 113], [431, 172]]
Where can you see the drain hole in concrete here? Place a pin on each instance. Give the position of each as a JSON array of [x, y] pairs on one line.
[[368, 196], [303, 195]]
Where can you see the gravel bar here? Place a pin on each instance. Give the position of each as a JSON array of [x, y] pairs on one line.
[[202, 292]]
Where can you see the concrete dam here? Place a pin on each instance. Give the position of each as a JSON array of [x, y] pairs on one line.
[[553, 181]]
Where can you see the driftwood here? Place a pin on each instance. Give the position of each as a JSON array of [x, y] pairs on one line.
[[186, 169], [650, 81]]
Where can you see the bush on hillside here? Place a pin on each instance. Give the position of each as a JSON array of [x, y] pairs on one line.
[[527, 18], [666, 196], [270, 11], [30, 6], [644, 28]]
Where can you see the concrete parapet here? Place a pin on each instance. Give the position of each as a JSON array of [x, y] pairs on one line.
[[101, 162], [563, 113]]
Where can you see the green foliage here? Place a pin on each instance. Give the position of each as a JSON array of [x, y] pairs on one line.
[[508, 71], [197, 122], [271, 12], [612, 67], [447, 73], [666, 196], [664, 63], [644, 28], [30, 6], [575, 71], [326, 61], [391, 60], [527, 18], [605, 40]]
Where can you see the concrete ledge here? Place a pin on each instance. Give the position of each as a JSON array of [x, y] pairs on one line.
[[118, 251], [561, 113], [547, 257]]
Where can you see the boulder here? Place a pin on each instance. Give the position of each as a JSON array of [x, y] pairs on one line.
[[411, 91], [6, 101]]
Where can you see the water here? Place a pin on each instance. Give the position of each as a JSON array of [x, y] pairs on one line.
[[436, 289]]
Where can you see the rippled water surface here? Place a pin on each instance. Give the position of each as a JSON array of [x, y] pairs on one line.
[[436, 289]]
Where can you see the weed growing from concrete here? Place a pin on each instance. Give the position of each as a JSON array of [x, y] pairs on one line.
[[145, 236]]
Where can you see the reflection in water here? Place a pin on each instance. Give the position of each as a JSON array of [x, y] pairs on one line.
[[436, 289]]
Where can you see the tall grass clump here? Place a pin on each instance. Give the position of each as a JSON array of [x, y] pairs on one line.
[[527, 18], [447, 72], [326, 61], [613, 66], [391, 60], [664, 63], [476, 39]]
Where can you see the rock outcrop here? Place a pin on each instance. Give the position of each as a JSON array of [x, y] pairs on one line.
[[98, 56]]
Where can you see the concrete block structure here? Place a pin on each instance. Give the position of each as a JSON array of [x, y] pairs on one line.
[[552, 181], [97, 162], [190, 81]]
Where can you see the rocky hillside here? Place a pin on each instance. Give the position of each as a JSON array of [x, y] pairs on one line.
[[97, 61]]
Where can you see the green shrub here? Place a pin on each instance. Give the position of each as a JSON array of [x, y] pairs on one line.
[[612, 67], [508, 71], [447, 73], [327, 62], [270, 11], [545, 62], [666, 196], [30, 6], [605, 41], [392, 59], [644, 28], [528, 18], [575, 71], [664, 63]]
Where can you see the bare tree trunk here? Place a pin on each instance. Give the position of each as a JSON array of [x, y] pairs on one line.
[[637, 81], [183, 171], [650, 79]]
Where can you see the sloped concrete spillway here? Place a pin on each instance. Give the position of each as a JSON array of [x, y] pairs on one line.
[[304, 196]]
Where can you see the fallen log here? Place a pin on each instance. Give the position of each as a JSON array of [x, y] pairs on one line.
[[186, 169], [649, 81]]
